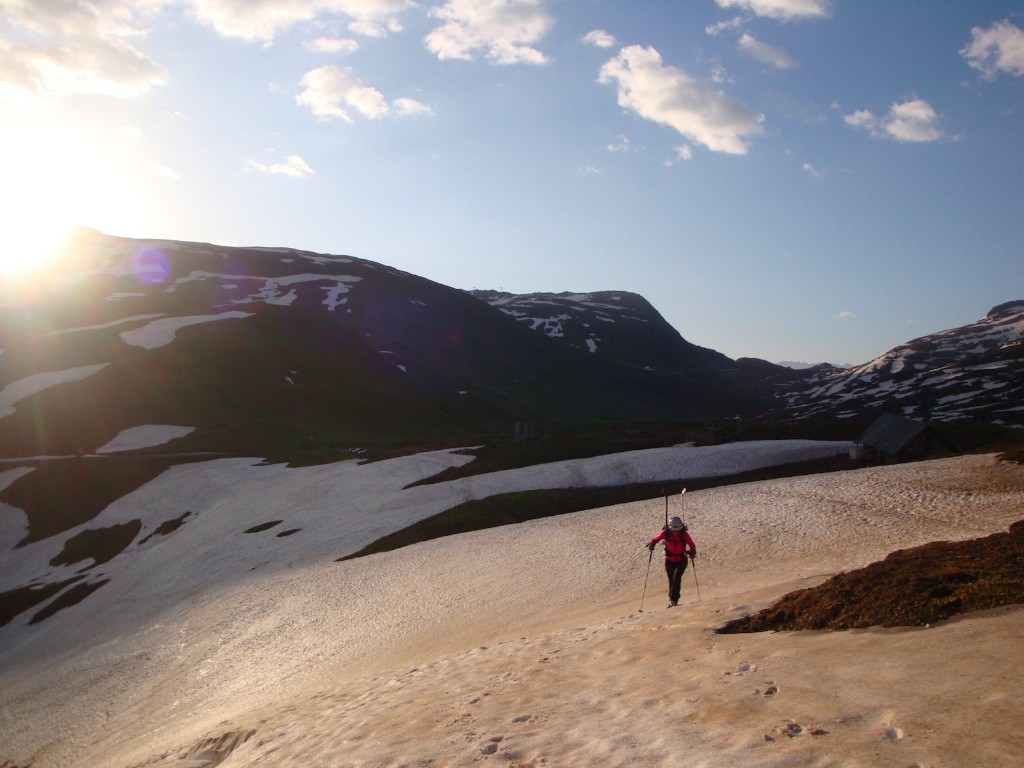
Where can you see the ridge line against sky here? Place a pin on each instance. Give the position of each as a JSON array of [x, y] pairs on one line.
[[788, 179]]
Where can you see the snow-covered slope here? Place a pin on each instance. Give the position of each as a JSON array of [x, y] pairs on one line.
[[975, 371], [198, 527], [516, 645]]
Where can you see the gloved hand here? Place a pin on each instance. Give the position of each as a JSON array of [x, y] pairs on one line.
[[693, 555], [650, 547]]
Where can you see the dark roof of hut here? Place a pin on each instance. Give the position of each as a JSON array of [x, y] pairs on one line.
[[891, 433]]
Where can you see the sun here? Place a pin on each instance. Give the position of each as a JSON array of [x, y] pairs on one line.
[[54, 178], [35, 195], [57, 176], [30, 244]]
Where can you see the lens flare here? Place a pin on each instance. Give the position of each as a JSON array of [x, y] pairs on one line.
[[150, 266]]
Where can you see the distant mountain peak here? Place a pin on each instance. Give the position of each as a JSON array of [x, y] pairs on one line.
[[797, 366], [1006, 309], [620, 326], [970, 372]]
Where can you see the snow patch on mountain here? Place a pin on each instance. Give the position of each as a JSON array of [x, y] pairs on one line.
[[145, 436], [126, 295], [548, 311], [100, 326], [39, 382], [269, 290], [159, 333]]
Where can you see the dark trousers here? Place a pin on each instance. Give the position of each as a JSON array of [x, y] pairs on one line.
[[675, 570]]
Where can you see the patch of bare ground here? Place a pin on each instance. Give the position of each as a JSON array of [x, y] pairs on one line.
[[913, 587]]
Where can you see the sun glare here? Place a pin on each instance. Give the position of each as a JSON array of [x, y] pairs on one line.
[[34, 198], [29, 245], [54, 177]]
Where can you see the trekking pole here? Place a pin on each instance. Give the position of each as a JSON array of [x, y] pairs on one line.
[[649, 558], [682, 513], [693, 562]]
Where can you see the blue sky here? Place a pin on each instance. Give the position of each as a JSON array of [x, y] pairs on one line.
[[787, 179]]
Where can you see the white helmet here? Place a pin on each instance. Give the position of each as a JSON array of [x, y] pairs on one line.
[[676, 524]]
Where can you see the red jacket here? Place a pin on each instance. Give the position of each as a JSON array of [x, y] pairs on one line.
[[677, 543]]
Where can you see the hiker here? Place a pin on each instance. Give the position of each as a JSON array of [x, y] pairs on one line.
[[678, 545]]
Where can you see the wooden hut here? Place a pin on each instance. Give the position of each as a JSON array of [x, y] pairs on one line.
[[892, 439]]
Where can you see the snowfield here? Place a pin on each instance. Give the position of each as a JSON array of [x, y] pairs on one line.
[[160, 333], [522, 644], [145, 436], [39, 382]]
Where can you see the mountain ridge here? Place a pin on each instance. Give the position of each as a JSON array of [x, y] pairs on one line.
[[317, 348], [268, 350], [968, 372]]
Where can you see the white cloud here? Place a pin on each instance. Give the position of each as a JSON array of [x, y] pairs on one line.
[[765, 53], [263, 19], [167, 173], [331, 45], [670, 96], [1000, 48], [587, 169], [812, 171], [367, 101], [734, 23], [505, 29], [623, 144], [72, 47], [600, 38], [911, 121], [683, 154], [371, 28], [783, 10], [846, 315], [330, 90], [409, 108], [862, 118], [131, 132], [293, 165]]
